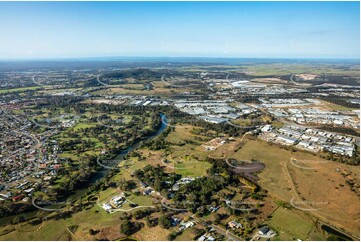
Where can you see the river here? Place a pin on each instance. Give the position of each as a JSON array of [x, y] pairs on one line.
[[103, 172]]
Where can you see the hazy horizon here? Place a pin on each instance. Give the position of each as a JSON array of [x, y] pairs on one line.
[[125, 58]]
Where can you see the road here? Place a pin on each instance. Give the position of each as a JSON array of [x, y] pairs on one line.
[[33, 79], [212, 90], [296, 83], [71, 233], [99, 81], [292, 81]]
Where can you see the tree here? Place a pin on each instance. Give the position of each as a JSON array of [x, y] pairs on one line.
[[129, 228], [151, 222], [125, 216], [172, 236], [217, 218], [165, 221], [126, 228], [93, 232]]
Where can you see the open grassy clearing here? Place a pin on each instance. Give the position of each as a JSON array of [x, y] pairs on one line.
[[21, 89], [185, 159], [84, 126], [286, 69], [107, 194], [277, 124], [152, 234], [334, 199], [252, 121], [341, 210], [93, 219], [133, 86], [141, 200], [189, 166], [59, 90], [187, 235], [69, 155], [335, 107], [48, 230], [271, 81], [183, 133], [156, 91], [290, 224]]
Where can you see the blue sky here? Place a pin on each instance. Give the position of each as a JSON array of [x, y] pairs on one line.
[[184, 29]]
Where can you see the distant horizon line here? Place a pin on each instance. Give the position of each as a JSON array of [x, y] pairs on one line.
[[171, 57]]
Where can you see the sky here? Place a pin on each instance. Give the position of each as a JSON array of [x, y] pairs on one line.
[[180, 29]]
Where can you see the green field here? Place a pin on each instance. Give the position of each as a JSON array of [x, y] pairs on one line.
[[141, 200], [21, 89], [336, 107], [290, 225], [281, 69], [83, 126], [187, 235], [54, 230], [192, 168]]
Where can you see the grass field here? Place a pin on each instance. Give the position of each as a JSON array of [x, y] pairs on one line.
[[285, 181], [336, 107], [21, 89], [156, 91], [191, 167], [133, 86], [251, 121], [286, 69], [154, 234], [269, 81], [187, 155], [52, 230], [83, 126], [290, 224], [141, 200], [187, 235], [187, 159]]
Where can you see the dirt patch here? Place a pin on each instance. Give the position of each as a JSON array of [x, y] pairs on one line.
[[152, 234], [269, 80], [332, 199], [110, 233], [214, 143], [307, 77]]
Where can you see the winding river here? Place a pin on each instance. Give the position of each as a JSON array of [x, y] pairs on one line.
[[103, 172]]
